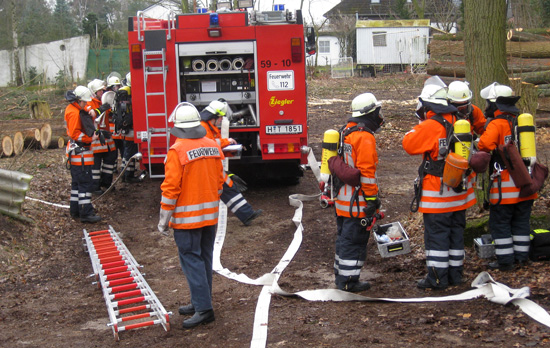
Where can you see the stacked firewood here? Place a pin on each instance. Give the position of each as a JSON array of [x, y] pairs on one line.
[[18, 135]]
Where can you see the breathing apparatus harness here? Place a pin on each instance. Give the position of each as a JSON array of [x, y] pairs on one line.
[[337, 183], [434, 166], [497, 162]]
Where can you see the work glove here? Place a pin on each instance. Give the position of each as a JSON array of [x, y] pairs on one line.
[[103, 108], [164, 219], [373, 204], [239, 183], [100, 136]]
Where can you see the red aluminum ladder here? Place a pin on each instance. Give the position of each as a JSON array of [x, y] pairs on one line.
[[124, 289]]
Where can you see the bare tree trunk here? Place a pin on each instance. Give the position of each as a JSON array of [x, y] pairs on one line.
[[485, 44], [16, 63]]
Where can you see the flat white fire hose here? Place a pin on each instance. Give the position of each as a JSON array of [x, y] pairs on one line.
[[483, 284]]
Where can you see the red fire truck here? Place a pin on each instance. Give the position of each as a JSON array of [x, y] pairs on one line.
[[253, 60]]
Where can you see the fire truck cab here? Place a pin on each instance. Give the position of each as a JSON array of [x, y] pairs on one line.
[[255, 61]]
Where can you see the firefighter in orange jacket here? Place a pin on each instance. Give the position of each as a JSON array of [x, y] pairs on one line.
[[81, 130], [460, 96], [443, 207], [231, 195], [104, 148], [190, 198], [354, 204], [509, 213]]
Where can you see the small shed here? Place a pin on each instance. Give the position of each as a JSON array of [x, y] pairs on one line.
[[392, 43], [328, 51]]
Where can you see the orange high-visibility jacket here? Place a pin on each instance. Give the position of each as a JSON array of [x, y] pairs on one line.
[[94, 104], [425, 139], [193, 183], [498, 132], [359, 152], [478, 124], [75, 131]]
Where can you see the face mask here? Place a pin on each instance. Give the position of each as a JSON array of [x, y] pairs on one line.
[[464, 110]]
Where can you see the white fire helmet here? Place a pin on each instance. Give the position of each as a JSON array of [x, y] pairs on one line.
[[83, 93], [434, 91], [185, 115], [217, 107], [459, 92], [129, 79], [96, 85], [495, 90], [113, 81], [363, 104]]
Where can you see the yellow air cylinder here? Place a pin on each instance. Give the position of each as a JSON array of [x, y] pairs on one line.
[[526, 130], [463, 132], [330, 147]]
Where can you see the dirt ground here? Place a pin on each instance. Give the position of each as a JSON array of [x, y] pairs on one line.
[[48, 300]]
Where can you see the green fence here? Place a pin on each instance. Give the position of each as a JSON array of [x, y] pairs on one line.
[[102, 62]]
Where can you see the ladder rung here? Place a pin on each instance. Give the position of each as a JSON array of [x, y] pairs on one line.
[[157, 156], [158, 135], [154, 93], [154, 176], [156, 114], [151, 53], [154, 72]]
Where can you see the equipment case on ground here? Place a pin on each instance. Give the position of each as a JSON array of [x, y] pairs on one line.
[[392, 248], [484, 246]]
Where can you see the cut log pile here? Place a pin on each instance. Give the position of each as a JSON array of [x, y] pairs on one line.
[[528, 60], [16, 136]]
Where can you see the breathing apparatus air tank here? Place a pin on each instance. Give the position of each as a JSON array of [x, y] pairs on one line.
[[330, 147], [462, 131], [526, 130]]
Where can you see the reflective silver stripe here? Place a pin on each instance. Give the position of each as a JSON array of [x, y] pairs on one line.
[[74, 192], [194, 219], [238, 206], [74, 199], [442, 205], [509, 183], [521, 248], [456, 263], [228, 180], [455, 252], [348, 272], [504, 195], [446, 194], [517, 238], [347, 196], [218, 141], [349, 262], [507, 251], [437, 253], [196, 207], [234, 199], [365, 180], [168, 201], [503, 241], [85, 201], [346, 208], [437, 264]]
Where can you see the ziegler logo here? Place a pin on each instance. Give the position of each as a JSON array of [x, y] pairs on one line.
[[274, 102]]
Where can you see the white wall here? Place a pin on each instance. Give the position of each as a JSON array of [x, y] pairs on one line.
[[161, 11], [404, 45], [326, 58], [69, 55]]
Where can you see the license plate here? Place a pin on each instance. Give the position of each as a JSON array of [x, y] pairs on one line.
[[284, 129]]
